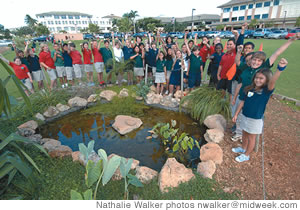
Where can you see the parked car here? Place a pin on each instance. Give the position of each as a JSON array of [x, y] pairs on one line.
[[226, 34], [88, 36], [248, 34], [99, 36], [179, 35], [261, 33], [107, 36], [163, 35], [5, 43], [40, 39], [292, 33], [213, 34], [277, 34]]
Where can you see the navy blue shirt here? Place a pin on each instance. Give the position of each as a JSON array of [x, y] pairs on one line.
[[177, 65], [33, 63], [216, 60], [256, 102], [151, 57], [67, 59], [127, 51]]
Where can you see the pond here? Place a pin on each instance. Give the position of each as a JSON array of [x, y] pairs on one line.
[[78, 127]]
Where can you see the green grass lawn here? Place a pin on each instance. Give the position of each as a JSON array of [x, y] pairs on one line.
[[286, 85]]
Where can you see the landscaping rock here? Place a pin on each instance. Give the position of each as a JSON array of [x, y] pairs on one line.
[[145, 174], [153, 88], [179, 94], [215, 121], [75, 156], [139, 98], [51, 112], [172, 174], [62, 107], [51, 144], [123, 93], [25, 132], [117, 175], [211, 151], [36, 138], [77, 102], [92, 98], [61, 151], [30, 124], [206, 169], [108, 94], [125, 124], [168, 101], [44, 140], [39, 116], [153, 98], [93, 157], [214, 135], [298, 103]]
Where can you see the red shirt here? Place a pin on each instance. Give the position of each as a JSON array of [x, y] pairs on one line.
[[226, 62], [20, 70], [46, 58], [87, 56], [204, 51], [76, 57], [97, 55]]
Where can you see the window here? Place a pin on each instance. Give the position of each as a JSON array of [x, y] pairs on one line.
[[49, 22], [66, 28], [58, 28], [83, 16], [52, 22], [258, 5], [56, 17], [41, 16], [241, 18], [70, 22], [226, 10], [70, 17], [79, 22], [265, 16], [79, 28], [250, 6], [72, 28], [235, 8], [243, 7], [276, 2], [63, 17], [267, 4], [234, 19], [77, 17], [225, 20], [249, 17], [256, 16], [58, 22]]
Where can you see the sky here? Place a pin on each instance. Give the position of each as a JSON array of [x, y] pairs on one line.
[[13, 11]]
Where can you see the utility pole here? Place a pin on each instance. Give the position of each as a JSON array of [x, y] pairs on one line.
[[193, 20], [284, 19]]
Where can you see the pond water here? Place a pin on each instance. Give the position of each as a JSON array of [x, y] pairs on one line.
[[78, 128]]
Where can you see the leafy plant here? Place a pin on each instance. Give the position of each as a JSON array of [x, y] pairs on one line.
[[86, 151], [206, 101], [124, 169], [179, 143], [142, 89]]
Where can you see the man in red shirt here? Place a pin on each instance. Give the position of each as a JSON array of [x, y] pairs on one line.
[[22, 73], [88, 63], [98, 60], [47, 62], [77, 61], [226, 62]]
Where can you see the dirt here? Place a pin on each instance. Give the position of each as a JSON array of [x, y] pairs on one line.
[[281, 159]]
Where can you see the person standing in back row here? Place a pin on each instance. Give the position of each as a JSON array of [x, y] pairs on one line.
[[58, 59], [108, 60]]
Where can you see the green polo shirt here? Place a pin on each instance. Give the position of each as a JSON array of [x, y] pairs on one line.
[[138, 61], [247, 75], [160, 64], [106, 54], [59, 61], [169, 64], [195, 64]]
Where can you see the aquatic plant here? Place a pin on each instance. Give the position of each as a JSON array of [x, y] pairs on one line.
[[142, 89], [205, 101]]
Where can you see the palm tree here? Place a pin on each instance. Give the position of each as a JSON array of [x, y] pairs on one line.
[[30, 21], [131, 16]]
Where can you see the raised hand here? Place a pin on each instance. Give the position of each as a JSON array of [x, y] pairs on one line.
[[283, 62]]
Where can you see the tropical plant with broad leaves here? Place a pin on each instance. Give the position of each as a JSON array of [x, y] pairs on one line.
[[86, 151], [179, 143], [142, 89], [205, 101]]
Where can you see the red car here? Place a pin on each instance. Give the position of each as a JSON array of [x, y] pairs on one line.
[[292, 33]]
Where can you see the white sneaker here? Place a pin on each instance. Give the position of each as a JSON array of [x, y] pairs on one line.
[[236, 137], [167, 92], [62, 86], [124, 80], [117, 82], [66, 85]]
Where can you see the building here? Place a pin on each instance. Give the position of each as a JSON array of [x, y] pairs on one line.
[[202, 19], [72, 22], [277, 13]]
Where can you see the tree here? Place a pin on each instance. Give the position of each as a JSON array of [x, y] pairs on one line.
[[220, 27], [253, 24], [169, 27], [131, 16], [144, 24], [269, 24], [124, 25], [40, 29], [93, 28], [31, 22], [297, 22], [23, 31]]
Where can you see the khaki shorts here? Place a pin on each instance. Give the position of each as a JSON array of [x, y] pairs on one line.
[[38, 75], [99, 66], [168, 75], [27, 83], [69, 73], [88, 67], [61, 71], [160, 77], [77, 70], [52, 74], [138, 71]]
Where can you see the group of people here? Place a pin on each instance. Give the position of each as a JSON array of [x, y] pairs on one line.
[[249, 89]]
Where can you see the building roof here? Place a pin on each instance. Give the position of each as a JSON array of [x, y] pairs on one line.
[[200, 17], [112, 16], [63, 13], [235, 2]]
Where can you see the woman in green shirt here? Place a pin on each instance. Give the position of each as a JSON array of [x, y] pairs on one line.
[[138, 64], [161, 73]]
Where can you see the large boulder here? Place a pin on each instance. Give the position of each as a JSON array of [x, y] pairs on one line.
[[39, 116], [211, 151], [153, 98], [145, 174], [77, 102], [31, 124], [61, 151], [36, 138], [153, 88], [172, 174], [92, 98], [51, 112], [214, 135], [168, 101], [123, 93], [26, 132], [76, 156], [206, 168], [62, 107], [125, 124], [108, 94], [215, 121], [179, 94], [51, 144]]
